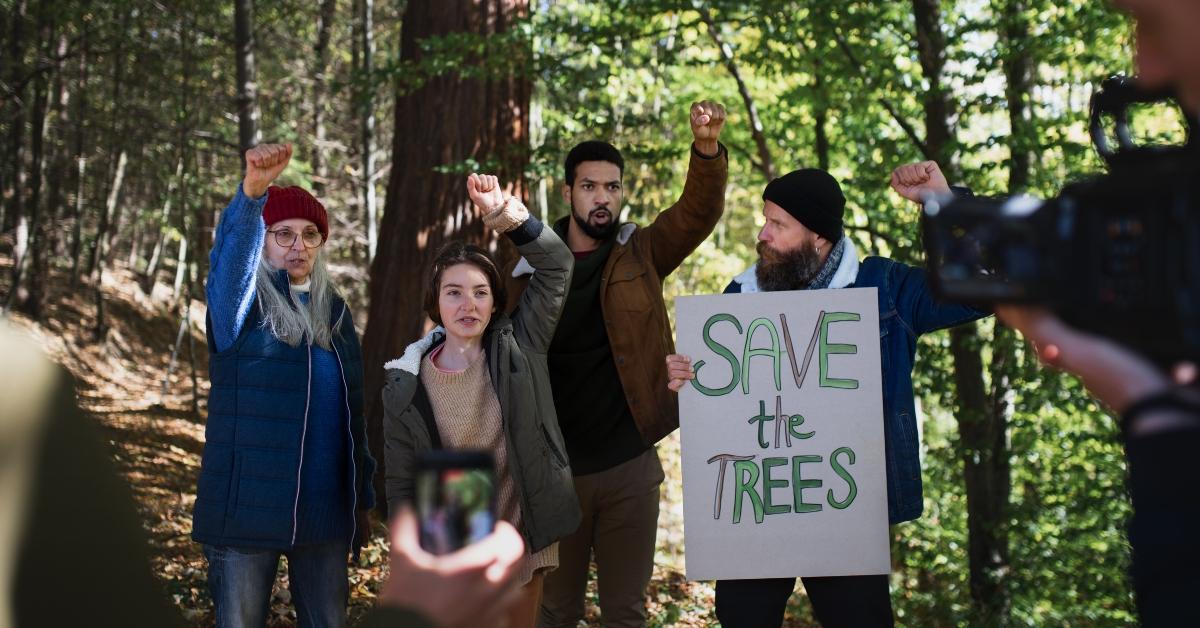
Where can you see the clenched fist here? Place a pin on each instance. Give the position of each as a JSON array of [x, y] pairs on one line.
[[263, 163], [914, 180], [708, 117], [485, 192]]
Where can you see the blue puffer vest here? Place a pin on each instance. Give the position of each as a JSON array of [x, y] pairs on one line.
[[907, 309], [249, 484]]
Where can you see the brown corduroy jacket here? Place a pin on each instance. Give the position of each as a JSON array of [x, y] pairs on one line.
[[631, 292]]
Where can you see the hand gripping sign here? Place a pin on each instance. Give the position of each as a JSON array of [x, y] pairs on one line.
[[782, 435]]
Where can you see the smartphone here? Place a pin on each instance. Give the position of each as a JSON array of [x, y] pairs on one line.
[[455, 498]]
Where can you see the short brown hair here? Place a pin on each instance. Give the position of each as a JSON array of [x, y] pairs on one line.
[[452, 254]]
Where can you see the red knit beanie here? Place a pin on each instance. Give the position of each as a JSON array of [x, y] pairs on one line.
[[295, 202]]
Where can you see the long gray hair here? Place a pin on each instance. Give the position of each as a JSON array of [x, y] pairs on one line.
[[290, 319]]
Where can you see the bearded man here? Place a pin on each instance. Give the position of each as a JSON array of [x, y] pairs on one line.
[[802, 247], [606, 365]]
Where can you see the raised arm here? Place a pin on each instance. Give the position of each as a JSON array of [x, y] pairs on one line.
[[914, 181], [536, 315], [238, 244], [925, 313], [678, 230]]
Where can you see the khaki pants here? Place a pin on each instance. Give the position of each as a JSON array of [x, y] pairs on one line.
[[620, 522]]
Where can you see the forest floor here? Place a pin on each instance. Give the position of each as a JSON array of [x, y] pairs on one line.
[[157, 435]]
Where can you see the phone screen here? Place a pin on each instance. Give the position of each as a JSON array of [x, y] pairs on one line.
[[456, 499]]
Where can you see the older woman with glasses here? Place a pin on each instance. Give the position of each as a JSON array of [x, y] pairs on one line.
[[285, 470]]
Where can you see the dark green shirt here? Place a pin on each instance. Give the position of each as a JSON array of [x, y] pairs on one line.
[[596, 423]]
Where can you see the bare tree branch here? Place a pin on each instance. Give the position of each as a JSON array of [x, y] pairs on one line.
[[764, 164], [904, 124]]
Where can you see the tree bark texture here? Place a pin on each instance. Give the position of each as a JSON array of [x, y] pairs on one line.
[[15, 112], [79, 165], [247, 87], [35, 275], [1018, 74], [444, 122], [367, 126], [320, 91]]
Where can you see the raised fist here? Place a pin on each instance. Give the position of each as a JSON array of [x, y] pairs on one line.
[[914, 180], [263, 163], [485, 192], [708, 117]]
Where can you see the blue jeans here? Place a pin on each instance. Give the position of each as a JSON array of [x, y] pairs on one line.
[[240, 580]]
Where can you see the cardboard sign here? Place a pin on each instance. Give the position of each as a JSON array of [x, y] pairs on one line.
[[782, 435]]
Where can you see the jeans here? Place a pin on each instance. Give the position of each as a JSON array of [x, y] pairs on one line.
[[240, 580]]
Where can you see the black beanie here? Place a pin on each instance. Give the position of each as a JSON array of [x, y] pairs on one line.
[[811, 196]]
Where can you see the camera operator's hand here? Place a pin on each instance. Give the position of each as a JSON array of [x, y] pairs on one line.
[[471, 587], [914, 180], [1113, 374]]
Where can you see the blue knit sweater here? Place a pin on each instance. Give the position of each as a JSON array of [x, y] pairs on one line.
[[323, 512]]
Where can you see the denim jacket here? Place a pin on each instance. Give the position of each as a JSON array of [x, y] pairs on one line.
[[907, 309]]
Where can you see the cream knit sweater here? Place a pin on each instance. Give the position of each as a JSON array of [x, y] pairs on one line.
[[468, 416]]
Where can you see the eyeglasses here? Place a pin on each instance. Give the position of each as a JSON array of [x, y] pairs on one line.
[[287, 237]]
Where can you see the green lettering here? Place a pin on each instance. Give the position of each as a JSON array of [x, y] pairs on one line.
[[762, 419], [768, 484], [770, 352], [794, 423], [722, 351], [827, 348], [845, 475], [799, 484], [746, 473]]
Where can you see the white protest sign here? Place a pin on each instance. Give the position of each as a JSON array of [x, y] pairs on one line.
[[782, 435]]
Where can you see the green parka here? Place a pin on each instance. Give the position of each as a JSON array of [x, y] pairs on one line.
[[515, 348]]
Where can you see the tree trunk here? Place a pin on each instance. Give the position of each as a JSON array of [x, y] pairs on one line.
[[424, 207], [34, 298], [15, 113], [821, 32], [365, 51], [101, 250], [1018, 74], [56, 199], [150, 276], [320, 89], [982, 425], [117, 153], [118, 219], [367, 126], [821, 118], [80, 161], [117, 179], [77, 229], [6, 109], [247, 88]]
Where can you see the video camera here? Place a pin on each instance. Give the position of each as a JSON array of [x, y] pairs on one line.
[[1117, 255]]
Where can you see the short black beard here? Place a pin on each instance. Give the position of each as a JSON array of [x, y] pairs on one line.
[[592, 231], [791, 270]]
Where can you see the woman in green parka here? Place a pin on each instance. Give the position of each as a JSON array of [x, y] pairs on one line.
[[480, 381]]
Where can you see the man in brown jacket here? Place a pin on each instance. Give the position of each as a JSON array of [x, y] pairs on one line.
[[607, 366]]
